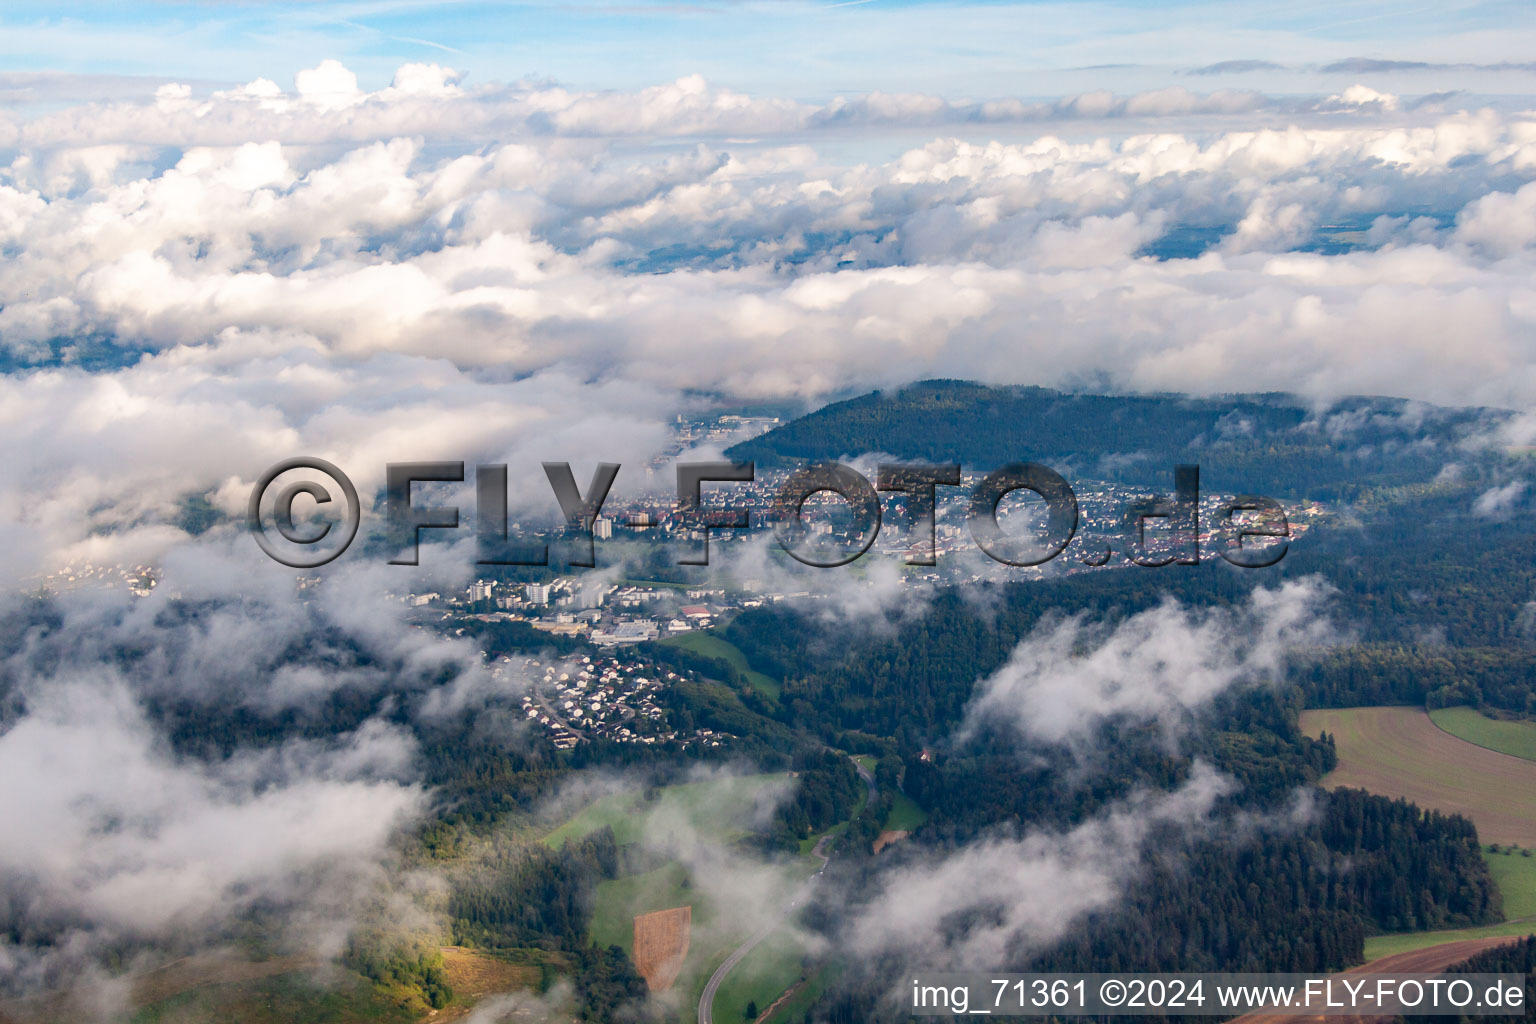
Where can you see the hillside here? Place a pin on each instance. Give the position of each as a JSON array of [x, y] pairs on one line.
[[1266, 443]]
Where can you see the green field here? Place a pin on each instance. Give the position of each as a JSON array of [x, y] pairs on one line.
[[1516, 876], [1378, 946], [712, 646], [1517, 737], [1400, 751], [905, 814], [722, 934], [761, 977], [798, 1006], [718, 809], [620, 900]]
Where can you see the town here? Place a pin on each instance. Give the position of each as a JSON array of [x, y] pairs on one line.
[[638, 596]]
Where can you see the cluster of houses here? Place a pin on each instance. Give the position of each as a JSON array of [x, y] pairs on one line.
[[140, 580], [608, 697], [608, 614]]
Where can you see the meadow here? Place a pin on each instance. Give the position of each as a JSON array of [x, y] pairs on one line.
[[718, 809], [1514, 737], [712, 646]]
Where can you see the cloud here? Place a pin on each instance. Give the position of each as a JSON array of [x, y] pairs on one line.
[[1157, 666], [1499, 502], [1236, 67], [1502, 223], [111, 457], [355, 275], [520, 257], [1361, 66], [426, 100], [19, 88], [703, 833], [1360, 97], [993, 901], [115, 838], [1370, 66], [141, 828], [523, 1006]]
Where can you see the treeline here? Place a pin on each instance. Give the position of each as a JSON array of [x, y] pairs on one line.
[[1250, 736], [1434, 677], [910, 683]]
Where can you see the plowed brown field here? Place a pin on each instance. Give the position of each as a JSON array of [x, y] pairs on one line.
[[661, 945], [1400, 752], [1419, 961]]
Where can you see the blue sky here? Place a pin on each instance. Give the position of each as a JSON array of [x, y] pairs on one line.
[[788, 47]]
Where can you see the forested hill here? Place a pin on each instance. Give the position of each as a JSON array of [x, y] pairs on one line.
[[1267, 443]]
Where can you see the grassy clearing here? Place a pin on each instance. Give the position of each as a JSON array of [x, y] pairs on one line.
[[477, 975], [714, 931], [718, 809], [1516, 877], [620, 900], [712, 646], [340, 997], [794, 1009], [761, 977], [1517, 738], [905, 815], [1399, 752]]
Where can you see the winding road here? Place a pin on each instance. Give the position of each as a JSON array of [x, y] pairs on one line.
[[711, 987]]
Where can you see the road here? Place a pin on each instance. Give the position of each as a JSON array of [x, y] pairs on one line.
[[707, 997], [868, 777]]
